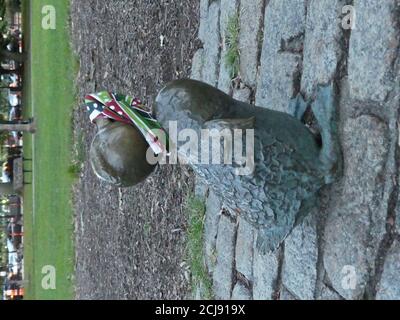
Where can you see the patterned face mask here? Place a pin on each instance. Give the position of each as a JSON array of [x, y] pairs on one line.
[[128, 110]]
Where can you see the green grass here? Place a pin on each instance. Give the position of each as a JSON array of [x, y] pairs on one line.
[[232, 56], [78, 157], [49, 97], [195, 254]]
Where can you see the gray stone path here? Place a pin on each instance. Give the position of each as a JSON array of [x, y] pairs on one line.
[[348, 248]]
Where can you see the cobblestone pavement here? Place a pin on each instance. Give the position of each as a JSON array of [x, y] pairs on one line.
[[348, 247]]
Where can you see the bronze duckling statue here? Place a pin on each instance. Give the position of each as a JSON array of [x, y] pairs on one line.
[[290, 166]]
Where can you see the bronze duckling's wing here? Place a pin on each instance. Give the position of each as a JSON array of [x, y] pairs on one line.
[[274, 195]]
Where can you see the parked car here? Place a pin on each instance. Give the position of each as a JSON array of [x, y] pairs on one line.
[[14, 232], [10, 246], [14, 99], [7, 171], [5, 177], [14, 259], [13, 263], [10, 79], [13, 291], [15, 113]]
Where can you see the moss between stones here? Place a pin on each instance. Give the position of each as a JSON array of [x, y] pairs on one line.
[[232, 56], [200, 279]]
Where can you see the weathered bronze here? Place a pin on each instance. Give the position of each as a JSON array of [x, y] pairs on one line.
[[118, 154], [290, 167]]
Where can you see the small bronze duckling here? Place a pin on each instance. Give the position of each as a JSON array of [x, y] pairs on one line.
[[290, 166]]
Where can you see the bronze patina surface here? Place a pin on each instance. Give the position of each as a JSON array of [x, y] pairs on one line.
[[118, 154], [290, 166]]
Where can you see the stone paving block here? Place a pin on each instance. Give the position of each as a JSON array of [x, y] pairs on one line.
[[265, 274], [203, 27], [197, 65], [397, 222], [244, 249], [251, 14], [322, 44], [213, 208], [225, 250], [356, 225], [200, 292], [240, 292], [389, 286], [300, 262], [280, 69], [200, 188], [374, 46], [286, 295], [328, 294], [212, 45]]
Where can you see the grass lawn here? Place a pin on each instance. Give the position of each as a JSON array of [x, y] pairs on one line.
[[49, 97]]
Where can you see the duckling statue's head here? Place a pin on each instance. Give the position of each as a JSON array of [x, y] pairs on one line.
[[118, 154]]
